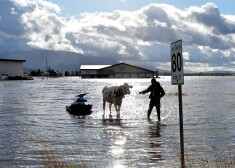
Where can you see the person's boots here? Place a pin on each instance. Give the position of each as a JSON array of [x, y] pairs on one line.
[[149, 113], [158, 116]]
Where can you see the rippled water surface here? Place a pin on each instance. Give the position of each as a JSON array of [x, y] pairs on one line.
[[34, 123]]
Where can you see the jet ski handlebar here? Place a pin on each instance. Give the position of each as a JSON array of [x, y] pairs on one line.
[[81, 95]]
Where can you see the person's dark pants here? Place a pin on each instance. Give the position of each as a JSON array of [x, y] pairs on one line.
[[156, 103]]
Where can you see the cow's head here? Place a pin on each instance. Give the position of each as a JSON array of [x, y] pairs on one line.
[[126, 88]]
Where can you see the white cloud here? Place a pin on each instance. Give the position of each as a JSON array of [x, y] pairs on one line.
[[32, 4], [143, 35], [186, 56]]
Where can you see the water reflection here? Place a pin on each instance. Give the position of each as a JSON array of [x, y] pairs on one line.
[[37, 110], [111, 121], [154, 140], [113, 131]]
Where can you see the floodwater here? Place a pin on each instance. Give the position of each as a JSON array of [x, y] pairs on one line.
[[35, 125]]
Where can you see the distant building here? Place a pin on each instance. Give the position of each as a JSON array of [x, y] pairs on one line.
[[10, 67], [121, 70], [91, 71]]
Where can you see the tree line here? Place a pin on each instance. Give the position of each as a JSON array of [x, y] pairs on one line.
[[51, 72]]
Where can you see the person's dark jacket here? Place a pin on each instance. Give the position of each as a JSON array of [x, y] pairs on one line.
[[156, 91]]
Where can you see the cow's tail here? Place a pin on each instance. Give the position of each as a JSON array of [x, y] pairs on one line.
[[104, 104]]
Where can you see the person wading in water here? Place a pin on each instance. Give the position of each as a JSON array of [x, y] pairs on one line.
[[156, 93]]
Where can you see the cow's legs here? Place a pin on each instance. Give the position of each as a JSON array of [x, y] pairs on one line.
[[110, 105], [119, 109], [118, 112], [115, 105]]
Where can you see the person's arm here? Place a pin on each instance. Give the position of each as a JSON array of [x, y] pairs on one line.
[[162, 92], [145, 91]]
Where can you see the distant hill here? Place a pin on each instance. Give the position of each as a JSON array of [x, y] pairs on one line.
[[70, 61], [220, 72], [213, 73], [57, 60]]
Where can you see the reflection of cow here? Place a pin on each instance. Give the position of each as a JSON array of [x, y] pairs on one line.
[[114, 95]]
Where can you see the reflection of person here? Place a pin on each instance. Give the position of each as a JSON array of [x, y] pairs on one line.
[[154, 141], [156, 94]]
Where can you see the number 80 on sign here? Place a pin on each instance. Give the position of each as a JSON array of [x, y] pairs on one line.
[[177, 74]]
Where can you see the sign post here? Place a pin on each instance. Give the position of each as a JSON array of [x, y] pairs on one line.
[[177, 78]]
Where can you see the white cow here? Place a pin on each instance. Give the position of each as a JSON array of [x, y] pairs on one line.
[[114, 95]]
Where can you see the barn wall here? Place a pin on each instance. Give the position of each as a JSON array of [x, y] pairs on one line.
[[121, 70], [127, 71], [88, 72], [11, 68]]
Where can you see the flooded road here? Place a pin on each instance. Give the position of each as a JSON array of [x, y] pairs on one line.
[[34, 122]]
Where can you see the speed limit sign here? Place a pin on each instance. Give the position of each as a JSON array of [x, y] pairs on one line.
[[177, 72], [177, 78]]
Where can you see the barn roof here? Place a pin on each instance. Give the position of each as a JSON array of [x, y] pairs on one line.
[[129, 65], [96, 67], [12, 60], [93, 66]]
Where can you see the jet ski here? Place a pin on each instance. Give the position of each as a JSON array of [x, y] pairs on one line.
[[80, 107]]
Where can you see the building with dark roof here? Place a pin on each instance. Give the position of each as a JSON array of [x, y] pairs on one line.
[[121, 70], [11, 67]]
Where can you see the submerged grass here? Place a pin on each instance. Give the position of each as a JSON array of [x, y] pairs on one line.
[[51, 159], [216, 163], [56, 162], [46, 156]]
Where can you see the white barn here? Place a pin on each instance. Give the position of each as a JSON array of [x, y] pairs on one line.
[[121, 70], [11, 67]]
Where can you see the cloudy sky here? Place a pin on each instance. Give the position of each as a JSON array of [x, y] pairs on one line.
[[128, 30]]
